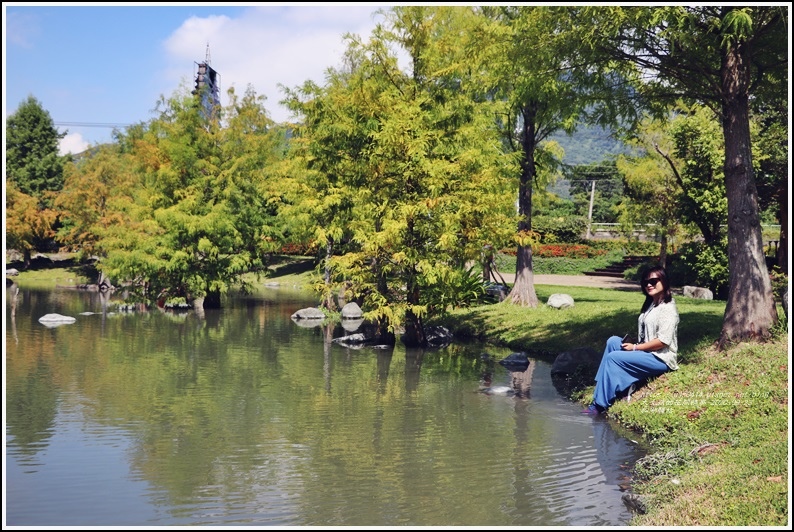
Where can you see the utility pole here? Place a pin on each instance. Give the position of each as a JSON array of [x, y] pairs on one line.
[[590, 212]]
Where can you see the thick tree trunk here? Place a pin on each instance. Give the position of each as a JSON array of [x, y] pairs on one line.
[[414, 331], [750, 311], [212, 300], [523, 292], [414, 325]]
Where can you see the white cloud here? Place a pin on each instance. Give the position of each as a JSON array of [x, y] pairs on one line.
[[21, 29], [73, 143], [267, 46]]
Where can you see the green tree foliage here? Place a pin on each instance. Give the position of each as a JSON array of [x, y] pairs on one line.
[[699, 148], [600, 183], [653, 194], [703, 265], [676, 176], [94, 197], [720, 56], [204, 213], [413, 165], [328, 165], [32, 160], [567, 228]]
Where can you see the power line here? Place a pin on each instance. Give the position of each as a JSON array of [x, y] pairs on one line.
[[91, 124]]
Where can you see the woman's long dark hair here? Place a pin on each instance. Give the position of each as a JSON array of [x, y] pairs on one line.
[[668, 294]]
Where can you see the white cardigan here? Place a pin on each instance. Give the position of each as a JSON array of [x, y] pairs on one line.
[[661, 321]]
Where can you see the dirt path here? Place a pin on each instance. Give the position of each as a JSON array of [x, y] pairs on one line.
[[593, 281]]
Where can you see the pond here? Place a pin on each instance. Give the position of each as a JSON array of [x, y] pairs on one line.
[[242, 417]]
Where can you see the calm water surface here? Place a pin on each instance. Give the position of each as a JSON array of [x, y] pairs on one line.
[[243, 417]]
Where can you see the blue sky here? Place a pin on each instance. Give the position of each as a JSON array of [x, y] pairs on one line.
[[110, 64]]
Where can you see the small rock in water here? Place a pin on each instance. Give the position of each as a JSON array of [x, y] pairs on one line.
[[56, 320], [499, 390]]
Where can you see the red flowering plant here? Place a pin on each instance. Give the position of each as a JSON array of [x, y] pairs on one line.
[[571, 251]]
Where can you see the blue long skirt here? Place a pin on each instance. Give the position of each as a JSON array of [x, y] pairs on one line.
[[620, 369]]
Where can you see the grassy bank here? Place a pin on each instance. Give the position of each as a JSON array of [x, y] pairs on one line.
[[719, 424]]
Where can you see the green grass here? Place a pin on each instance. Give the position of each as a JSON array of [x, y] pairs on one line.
[[719, 425], [52, 277]]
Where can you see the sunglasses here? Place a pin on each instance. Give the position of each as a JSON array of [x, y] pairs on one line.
[[651, 281]]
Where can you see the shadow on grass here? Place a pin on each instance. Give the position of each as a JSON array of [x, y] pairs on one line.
[[293, 267]]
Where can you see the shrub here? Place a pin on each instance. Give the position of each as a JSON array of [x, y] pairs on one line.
[[459, 288], [559, 228], [702, 265], [628, 247]]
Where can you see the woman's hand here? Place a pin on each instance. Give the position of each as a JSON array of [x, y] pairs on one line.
[[651, 345]]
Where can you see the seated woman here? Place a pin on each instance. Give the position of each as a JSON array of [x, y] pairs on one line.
[[626, 363]]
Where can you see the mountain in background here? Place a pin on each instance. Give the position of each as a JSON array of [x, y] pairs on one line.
[[589, 144]]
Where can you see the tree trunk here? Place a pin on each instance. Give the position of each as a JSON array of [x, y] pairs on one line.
[[663, 250], [487, 260], [414, 331], [414, 326], [523, 292], [782, 250], [212, 300], [328, 301], [750, 311]]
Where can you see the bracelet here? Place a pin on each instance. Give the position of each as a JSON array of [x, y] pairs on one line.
[[634, 348]]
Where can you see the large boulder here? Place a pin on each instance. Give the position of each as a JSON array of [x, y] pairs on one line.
[[351, 311], [697, 292], [352, 325], [311, 313], [560, 301], [56, 320], [361, 340], [498, 390], [497, 291]]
